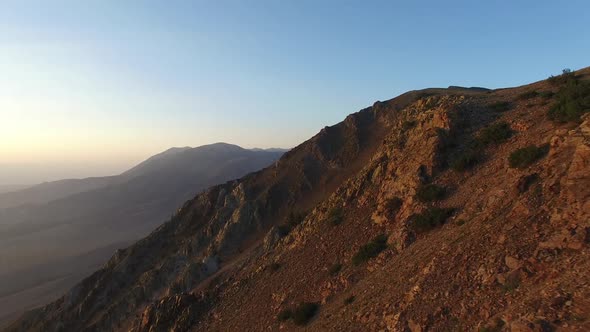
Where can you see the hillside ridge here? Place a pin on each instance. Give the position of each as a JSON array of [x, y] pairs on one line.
[[440, 209]]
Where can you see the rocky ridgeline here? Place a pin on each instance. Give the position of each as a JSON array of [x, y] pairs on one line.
[[413, 214]]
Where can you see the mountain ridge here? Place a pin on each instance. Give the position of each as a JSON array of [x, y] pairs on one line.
[[48, 241], [408, 215]]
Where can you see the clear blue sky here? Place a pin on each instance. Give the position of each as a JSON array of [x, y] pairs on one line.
[[95, 86]]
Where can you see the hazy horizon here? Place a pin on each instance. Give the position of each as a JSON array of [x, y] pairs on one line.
[[92, 88], [27, 174]]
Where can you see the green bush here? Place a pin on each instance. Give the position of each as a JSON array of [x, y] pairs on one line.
[[430, 193], [526, 156], [284, 315], [495, 134], [528, 95], [370, 250], [501, 106], [429, 219], [573, 100], [335, 216], [335, 269], [466, 160], [305, 312]]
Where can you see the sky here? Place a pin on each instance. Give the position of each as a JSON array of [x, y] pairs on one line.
[[90, 88]]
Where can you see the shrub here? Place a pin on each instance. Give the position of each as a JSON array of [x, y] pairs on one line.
[[393, 205], [335, 269], [305, 312], [573, 100], [335, 216], [495, 134], [430, 193], [500, 106], [546, 94], [370, 250], [293, 219], [408, 124], [349, 300], [429, 219], [466, 160], [526, 156], [274, 266], [566, 74], [528, 95], [284, 230], [284, 315]]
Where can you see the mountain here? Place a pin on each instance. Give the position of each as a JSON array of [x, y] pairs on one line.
[[49, 191], [441, 210], [10, 188], [66, 229]]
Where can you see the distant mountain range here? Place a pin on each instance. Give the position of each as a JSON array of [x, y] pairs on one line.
[[6, 188], [53, 234]]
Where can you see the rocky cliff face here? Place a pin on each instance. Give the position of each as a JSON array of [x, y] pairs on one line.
[[408, 215]]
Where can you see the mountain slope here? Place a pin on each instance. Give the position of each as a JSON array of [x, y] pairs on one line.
[[50, 191], [71, 236], [413, 214]]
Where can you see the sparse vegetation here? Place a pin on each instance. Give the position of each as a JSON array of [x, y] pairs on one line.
[[430, 192], [408, 124], [429, 219], [495, 134], [546, 94], [393, 205], [305, 312], [566, 74], [528, 95], [293, 219], [526, 156], [335, 269], [573, 100], [466, 160], [501, 106], [370, 250], [335, 216], [274, 266], [284, 315], [301, 315]]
